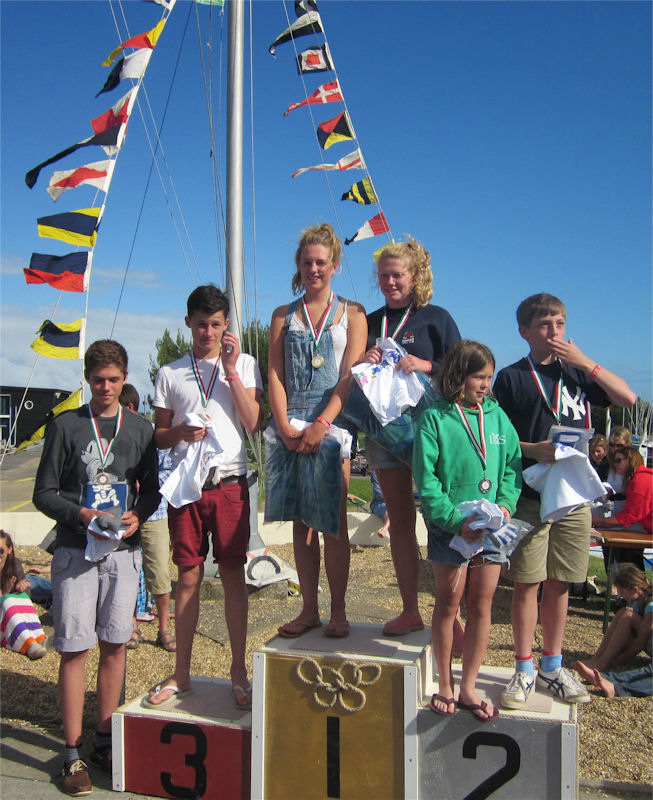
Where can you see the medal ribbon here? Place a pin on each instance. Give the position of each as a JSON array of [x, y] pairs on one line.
[[104, 454], [478, 446], [317, 333], [554, 409], [402, 322], [204, 393]]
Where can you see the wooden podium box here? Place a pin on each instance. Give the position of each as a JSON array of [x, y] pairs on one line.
[[197, 746]]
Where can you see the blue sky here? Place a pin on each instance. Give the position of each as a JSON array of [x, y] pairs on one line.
[[512, 138]]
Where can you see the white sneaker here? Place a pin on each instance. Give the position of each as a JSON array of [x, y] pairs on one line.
[[562, 684], [518, 690]]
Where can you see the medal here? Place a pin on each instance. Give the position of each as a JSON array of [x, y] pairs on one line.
[[102, 479], [318, 361], [485, 484]]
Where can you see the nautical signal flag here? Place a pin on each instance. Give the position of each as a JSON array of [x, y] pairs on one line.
[[373, 227], [327, 93], [314, 59], [304, 6], [97, 174], [68, 273], [307, 23], [118, 114], [76, 227], [110, 141], [362, 192], [147, 39], [132, 66], [338, 129], [72, 401], [352, 161], [60, 341]]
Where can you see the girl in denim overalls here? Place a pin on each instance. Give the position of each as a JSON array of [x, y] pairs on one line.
[[314, 342]]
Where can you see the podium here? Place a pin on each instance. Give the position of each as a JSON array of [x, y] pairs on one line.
[[347, 719]]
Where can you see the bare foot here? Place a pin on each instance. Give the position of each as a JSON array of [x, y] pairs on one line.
[[166, 691], [482, 710], [585, 672], [443, 704], [604, 684]]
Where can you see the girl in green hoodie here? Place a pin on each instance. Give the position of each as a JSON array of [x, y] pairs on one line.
[[465, 449]]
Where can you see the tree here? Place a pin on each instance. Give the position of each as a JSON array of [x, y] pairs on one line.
[[167, 350]]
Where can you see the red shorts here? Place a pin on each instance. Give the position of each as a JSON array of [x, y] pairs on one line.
[[222, 512]]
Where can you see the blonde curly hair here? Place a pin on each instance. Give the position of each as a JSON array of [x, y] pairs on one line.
[[418, 260], [319, 234]]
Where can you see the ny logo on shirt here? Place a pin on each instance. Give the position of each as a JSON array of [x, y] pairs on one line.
[[573, 406]]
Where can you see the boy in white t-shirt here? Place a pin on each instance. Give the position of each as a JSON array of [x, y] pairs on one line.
[[215, 379]]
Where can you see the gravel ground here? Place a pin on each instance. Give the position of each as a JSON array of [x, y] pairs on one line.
[[615, 735]]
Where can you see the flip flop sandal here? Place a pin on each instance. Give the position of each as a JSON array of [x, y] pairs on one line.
[[241, 693], [337, 630], [442, 699], [166, 641], [296, 628], [473, 708], [168, 687], [134, 640]]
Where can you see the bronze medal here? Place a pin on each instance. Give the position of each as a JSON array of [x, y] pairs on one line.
[[102, 479]]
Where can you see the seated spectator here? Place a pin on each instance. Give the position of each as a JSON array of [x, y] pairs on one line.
[[636, 682], [631, 629], [619, 437], [20, 626], [598, 452]]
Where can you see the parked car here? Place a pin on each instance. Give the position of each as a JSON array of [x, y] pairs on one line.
[[359, 464]]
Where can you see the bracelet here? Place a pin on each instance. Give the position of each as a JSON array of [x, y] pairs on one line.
[[595, 372], [324, 422], [230, 378]]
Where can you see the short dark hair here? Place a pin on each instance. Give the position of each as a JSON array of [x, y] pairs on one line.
[[462, 359], [539, 305], [103, 353], [129, 396], [207, 299]]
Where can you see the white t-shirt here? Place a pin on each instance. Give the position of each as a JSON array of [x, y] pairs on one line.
[[176, 389]]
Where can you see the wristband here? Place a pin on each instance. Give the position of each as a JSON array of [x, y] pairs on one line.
[[594, 372], [324, 422], [230, 378]]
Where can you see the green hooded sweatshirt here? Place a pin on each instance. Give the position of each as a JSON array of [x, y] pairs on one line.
[[447, 468]]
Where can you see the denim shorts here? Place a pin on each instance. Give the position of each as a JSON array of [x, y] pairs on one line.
[[380, 458], [439, 551]]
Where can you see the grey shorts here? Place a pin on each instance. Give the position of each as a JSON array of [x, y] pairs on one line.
[[92, 601], [380, 458], [439, 551], [558, 550]]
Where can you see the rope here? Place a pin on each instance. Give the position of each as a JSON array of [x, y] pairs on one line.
[[343, 686]]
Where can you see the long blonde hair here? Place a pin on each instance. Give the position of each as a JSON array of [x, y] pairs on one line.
[[319, 234], [418, 261]]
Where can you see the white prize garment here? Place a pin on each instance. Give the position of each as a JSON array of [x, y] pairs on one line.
[[342, 436], [97, 549], [563, 486], [506, 535], [389, 391], [184, 484]]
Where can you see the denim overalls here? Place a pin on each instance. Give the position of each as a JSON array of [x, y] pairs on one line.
[[297, 486]]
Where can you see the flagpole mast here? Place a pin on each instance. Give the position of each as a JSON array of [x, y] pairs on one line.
[[234, 232]]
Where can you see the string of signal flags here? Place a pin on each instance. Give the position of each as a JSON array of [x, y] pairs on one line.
[[71, 272], [338, 129]]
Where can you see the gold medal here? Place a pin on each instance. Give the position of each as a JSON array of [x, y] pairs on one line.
[[317, 361]]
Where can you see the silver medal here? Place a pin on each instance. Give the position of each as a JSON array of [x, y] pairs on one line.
[[485, 485]]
